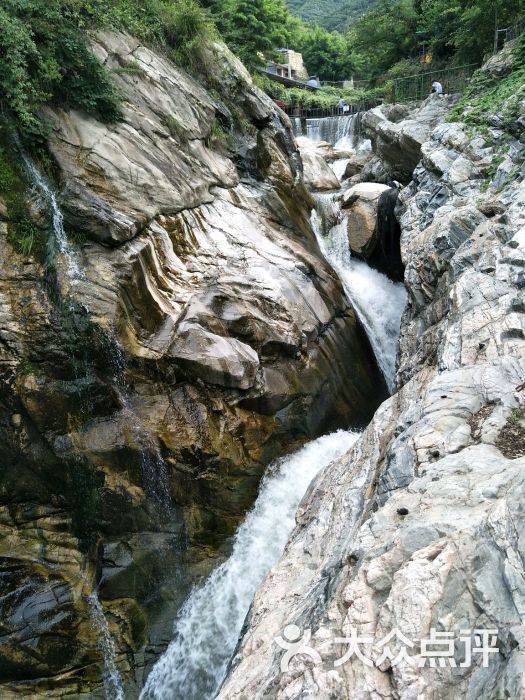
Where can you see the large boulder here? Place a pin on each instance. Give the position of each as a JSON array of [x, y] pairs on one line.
[[361, 202], [318, 175]]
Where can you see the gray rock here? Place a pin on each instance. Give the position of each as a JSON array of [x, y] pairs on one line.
[[421, 525]]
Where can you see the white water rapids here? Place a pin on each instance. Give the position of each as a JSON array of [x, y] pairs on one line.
[[210, 622], [378, 302]]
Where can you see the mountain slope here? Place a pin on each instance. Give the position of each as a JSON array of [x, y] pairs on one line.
[[331, 14]]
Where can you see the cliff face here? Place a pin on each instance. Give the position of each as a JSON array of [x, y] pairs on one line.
[[421, 526], [192, 334]]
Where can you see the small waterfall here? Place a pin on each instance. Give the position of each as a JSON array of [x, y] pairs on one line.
[[379, 302], [153, 468], [210, 622], [339, 167], [59, 245], [112, 680], [334, 130]]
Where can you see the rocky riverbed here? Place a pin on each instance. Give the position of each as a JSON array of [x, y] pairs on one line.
[[419, 529], [188, 333]]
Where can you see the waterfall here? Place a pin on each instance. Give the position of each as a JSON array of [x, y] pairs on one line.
[[339, 167], [210, 622], [378, 302], [153, 468], [112, 680], [59, 243], [334, 130]]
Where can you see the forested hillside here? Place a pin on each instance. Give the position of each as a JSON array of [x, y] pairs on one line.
[[44, 45], [330, 14]]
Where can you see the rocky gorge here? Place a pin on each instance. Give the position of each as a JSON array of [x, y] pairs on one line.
[[180, 331], [417, 532], [196, 323]]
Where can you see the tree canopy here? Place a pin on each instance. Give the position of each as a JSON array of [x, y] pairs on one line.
[[44, 44]]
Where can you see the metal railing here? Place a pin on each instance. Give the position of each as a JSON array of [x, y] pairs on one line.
[[506, 34], [320, 112], [417, 87]]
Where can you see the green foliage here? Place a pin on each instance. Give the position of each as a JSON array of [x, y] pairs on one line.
[[326, 54], [46, 57], [384, 36], [22, 234], [395, 32], [465, 29], [330, 14], [185, 28], [326, 97], [487, 96], [252, 27], [26, 367], [219, 138]]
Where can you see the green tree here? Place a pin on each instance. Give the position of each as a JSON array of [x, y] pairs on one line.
[[251, 27], [326, 54], [465, 28], [384, 36]]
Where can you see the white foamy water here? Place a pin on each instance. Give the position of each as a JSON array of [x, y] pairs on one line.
[[61, 245], [379, 302], [334, 130], [111, 677], [339, 167], [210, 622]]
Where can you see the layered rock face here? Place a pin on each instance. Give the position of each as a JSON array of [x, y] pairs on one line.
[[397, 137], [420, 529], [193, 334]]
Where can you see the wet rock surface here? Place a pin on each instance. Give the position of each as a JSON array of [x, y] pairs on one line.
[[318, 176], [421, 526], [141, 401], [362, 203]]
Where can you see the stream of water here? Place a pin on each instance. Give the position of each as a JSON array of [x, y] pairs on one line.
[[59, 244], [378, 302], [209, 624], [111, 677]]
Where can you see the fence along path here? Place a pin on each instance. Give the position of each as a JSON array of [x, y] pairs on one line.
[[419, 86]]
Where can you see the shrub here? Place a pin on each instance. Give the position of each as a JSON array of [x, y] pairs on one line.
[[46, 57], [22, 234]]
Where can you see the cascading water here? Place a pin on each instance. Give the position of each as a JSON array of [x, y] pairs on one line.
[[59, 243], [153, 468], [112, 680], [209, 624], [379, 302], [334, 130], [339, 167]]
